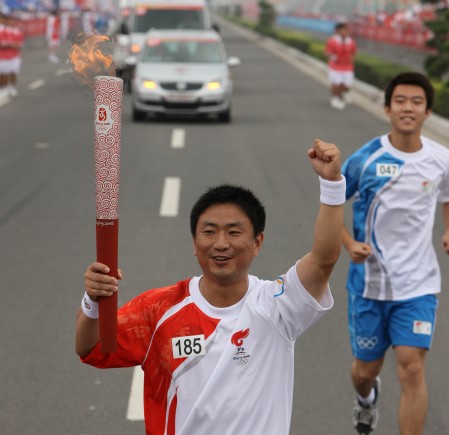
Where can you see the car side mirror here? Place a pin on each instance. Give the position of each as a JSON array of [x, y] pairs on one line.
[[124, 29], [233, 61], [216, 27]]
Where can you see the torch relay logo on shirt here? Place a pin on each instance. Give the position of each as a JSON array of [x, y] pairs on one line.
[[241, 357], [427, 186]]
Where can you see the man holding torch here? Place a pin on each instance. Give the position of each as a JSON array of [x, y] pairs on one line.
[[218, 350]]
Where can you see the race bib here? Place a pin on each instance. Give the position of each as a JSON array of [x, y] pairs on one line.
[[387, 169], [183, 347]]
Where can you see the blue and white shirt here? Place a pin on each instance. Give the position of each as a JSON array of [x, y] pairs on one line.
[[395, 198]]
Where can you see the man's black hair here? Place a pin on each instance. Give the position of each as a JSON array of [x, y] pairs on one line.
[[410, 78], [340, 25], [229, 194]]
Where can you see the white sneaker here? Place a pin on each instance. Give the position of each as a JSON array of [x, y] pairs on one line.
[[337, 103], [4, 97], [365, 418], [12, 91], [53, 58]]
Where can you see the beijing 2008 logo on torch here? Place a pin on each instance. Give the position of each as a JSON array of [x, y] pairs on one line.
[[103, 122], [241, 357]]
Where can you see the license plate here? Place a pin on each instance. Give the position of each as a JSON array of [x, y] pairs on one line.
[[180, 98]]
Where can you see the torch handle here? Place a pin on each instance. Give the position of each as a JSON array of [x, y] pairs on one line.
[[107, 253]]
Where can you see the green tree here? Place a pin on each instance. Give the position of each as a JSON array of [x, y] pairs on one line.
[[238, 13], [267, 15], [437, 65]]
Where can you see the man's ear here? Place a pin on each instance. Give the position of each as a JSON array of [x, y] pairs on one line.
[[258, 242]]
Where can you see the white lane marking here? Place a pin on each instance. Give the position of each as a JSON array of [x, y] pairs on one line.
[[170, 197], [169, 208], [135, 402], [36, 84], [178, 138], [41, 145], [62, 71]]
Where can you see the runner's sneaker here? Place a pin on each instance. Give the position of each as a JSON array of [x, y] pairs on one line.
[[337, 103], [12, 91], [4, 98], [365, 418], [347, 97], [53, 58]]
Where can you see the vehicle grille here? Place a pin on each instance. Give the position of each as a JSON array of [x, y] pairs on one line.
[[171, 86]]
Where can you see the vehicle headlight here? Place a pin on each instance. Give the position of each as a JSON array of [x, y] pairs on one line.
[[149, 84], [215, 85], [135, 48]]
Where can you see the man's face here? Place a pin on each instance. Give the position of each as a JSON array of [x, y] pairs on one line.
[[407, 111], [225, 244], [343, 31]]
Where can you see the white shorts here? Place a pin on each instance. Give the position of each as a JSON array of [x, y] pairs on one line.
[[341, 77], [16, 63], [8, 66]]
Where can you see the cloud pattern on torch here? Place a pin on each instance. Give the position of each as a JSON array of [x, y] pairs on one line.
[[108, 108]]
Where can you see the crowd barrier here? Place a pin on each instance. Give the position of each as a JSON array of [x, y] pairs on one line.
[[32, 27], [415, 37]]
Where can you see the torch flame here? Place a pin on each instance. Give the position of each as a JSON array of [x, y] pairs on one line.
[[91, 56]]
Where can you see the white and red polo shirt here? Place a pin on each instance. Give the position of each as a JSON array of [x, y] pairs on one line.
[[212, 370]]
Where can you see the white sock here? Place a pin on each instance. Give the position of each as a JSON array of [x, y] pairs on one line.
[[367, 401]]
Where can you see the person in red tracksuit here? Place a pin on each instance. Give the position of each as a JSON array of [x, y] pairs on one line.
[[340, 50]]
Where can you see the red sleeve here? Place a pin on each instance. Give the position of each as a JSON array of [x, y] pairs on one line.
[[136, 323]]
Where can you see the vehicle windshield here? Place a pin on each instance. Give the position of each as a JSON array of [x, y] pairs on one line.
[[175, 51], [147, 18]]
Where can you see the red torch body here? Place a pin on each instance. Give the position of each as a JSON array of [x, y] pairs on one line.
[[108, 107], [107, 253]]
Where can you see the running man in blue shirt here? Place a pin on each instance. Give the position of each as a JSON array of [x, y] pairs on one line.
[[396, 181]]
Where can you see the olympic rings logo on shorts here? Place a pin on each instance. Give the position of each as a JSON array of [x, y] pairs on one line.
[[367, 342]]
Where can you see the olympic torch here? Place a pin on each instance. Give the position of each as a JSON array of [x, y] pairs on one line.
[[93, 67], [108, 114]]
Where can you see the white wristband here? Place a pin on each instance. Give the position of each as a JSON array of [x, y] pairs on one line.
[[333, 192], [89, 307]]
